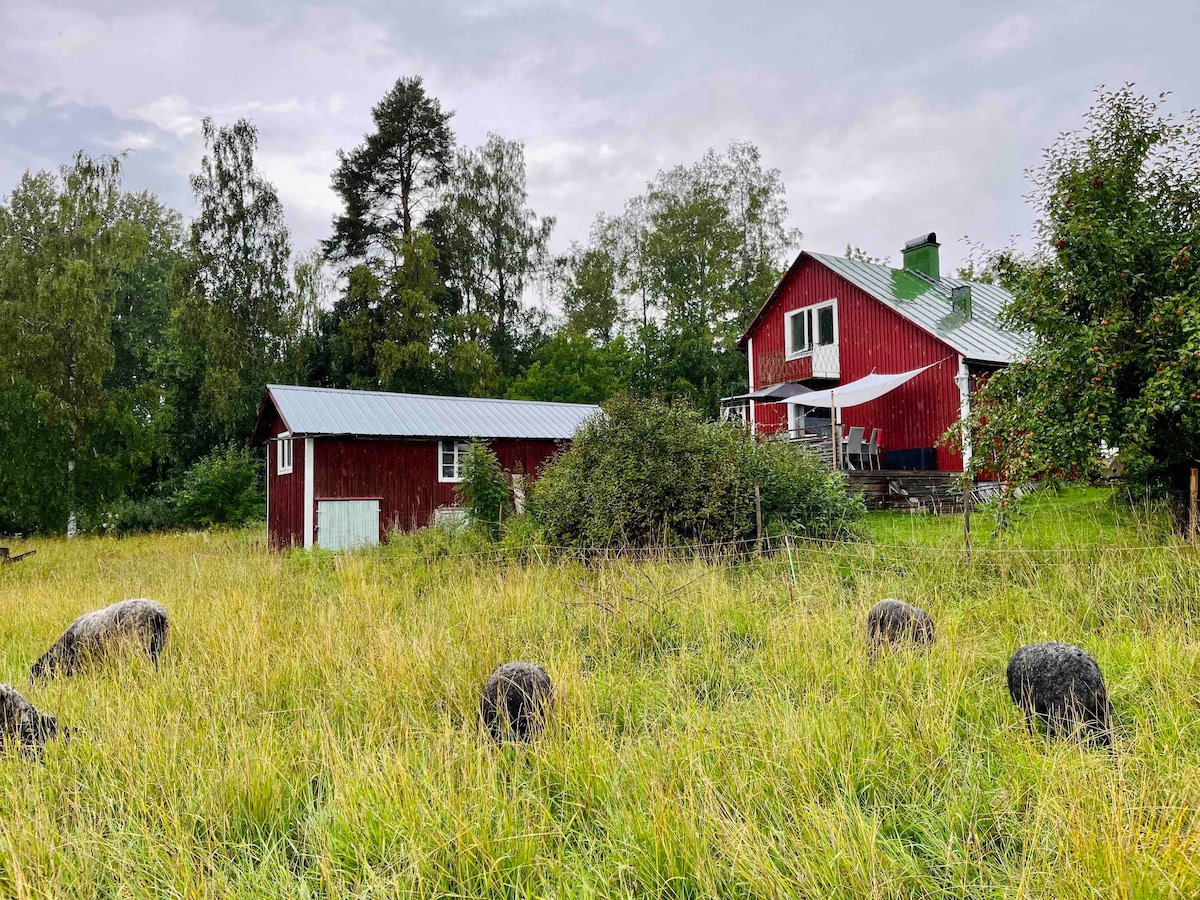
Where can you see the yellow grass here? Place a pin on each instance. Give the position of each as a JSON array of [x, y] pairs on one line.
[[311, 730]]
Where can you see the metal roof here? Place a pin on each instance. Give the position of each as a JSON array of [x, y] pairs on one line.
[[926, 303], [309, 411]]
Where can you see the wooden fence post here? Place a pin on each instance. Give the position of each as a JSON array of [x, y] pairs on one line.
[[1194, 505], [967, 500], [835, 433], [758, 518]]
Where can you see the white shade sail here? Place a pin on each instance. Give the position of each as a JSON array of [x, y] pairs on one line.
[[864, 390]]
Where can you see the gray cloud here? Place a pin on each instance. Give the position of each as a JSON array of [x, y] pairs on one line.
[[885, 120]]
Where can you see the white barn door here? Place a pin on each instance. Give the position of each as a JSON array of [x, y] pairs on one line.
[[347, 524]]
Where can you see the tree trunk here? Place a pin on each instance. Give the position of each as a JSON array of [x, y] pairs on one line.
[[72, 519]]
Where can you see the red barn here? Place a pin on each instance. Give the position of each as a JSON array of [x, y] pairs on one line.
[[346, 467], [832, 321]]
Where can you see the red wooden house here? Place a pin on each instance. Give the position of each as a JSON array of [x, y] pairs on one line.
[[832, 321], [346, 467]]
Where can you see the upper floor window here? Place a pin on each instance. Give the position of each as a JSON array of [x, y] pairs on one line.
[[812, 326], [283, 456], [450, 459]]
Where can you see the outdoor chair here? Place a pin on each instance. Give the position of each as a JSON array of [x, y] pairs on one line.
[[853, 450], [873, 458]]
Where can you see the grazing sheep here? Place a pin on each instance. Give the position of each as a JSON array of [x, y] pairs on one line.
[[892, 622], [91, 636], [1061, 686], [21, 722], [516, 701]]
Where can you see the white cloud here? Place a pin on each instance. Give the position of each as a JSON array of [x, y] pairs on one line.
[[879, 122], [173, 114], [1003, 39]]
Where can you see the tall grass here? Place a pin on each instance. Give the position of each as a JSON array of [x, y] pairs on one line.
[[311, 730]]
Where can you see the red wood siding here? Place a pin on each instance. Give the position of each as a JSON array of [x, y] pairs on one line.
[[871, 337], [285, 495], [403, 474]]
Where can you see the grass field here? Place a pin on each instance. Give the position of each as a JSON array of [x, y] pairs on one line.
[[311, 730]]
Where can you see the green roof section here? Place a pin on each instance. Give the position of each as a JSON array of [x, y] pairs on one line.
[[928, 304]]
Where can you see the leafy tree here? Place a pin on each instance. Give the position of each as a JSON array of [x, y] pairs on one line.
[[1110, 298], [64, 246], [388, 323], [232, 329], [590, 296], [646, 473], [222, 488], [397, 169], [572, 368], [716, 238], [860, 255], [312, 288], [697, 255], [141, 315], [484, 489], [494, 243]]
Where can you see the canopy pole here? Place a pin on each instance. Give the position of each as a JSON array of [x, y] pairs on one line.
[[833, 431]]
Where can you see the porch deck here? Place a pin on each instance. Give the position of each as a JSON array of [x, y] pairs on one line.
[[912, 491]]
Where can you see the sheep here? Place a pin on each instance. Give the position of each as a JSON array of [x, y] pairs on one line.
[[1061, 685], [892, 622], [93, 635], [517, 698], [22, 723]]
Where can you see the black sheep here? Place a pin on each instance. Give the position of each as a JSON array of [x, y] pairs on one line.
[[517, 698], [1062, 687], [23, 724], [893, 622], [91, 636]]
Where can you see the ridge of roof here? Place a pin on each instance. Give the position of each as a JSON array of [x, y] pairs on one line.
[[439, 397], [329, 412], [925, 303]]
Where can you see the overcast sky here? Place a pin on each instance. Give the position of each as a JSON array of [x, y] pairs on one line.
[[886, 119]]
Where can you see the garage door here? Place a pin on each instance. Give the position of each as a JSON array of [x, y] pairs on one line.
[[347, 524]]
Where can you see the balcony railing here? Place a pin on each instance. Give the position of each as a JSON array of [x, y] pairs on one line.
[[826, 362]]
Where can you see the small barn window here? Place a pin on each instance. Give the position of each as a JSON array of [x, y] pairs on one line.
[[283, 451], [450, 458]]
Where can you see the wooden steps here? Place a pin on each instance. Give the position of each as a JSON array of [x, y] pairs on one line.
[[912, 491]]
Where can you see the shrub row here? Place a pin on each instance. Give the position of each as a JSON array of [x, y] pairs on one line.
[[645, 473]]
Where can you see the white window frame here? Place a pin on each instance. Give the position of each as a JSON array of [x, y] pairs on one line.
[[458, 448], [810, 314], [285, 456]]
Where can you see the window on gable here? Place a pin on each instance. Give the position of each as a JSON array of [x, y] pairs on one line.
[[825, 330], [812, 326], [798, 332], [450, 459], [283, 456]]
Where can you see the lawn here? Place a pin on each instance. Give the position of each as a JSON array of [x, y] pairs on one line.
[[311, 730]]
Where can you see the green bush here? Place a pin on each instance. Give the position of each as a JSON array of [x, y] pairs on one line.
[[128, 516], [645, 473], [483, 491], [223, 488]]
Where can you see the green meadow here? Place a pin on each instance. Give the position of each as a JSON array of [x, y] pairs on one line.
[[311, 730]]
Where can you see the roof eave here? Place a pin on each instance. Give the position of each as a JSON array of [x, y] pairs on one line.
[[745, 335], [256, 438]]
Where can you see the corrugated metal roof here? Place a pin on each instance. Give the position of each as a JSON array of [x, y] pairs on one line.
[[313, 411], [926, 303]]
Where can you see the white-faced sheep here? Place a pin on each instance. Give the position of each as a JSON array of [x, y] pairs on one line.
[[517, 698], [894, 622], [21, 723], [94, 635], [1061, 686]]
